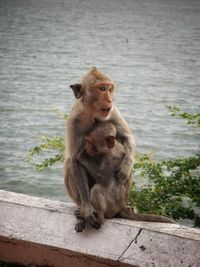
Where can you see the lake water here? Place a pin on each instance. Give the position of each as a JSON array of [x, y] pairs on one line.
[[151, 49]]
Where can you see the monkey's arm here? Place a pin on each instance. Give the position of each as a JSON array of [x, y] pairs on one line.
[[125, 137], [101, 175], [87, 211], [76, 174]]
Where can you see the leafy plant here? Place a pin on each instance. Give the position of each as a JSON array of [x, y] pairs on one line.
[[191, 118], [172, 187], [49, 144]]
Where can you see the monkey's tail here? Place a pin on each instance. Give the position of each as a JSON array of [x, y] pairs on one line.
[[128, 213]]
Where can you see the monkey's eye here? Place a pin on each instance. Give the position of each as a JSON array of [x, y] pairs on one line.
[[102, 88], [111, 89]]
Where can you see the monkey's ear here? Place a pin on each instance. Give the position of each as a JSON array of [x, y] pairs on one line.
[[77, 89], [110, 141]]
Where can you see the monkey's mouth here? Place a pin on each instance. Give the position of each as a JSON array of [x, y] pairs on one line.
[[106, 110]]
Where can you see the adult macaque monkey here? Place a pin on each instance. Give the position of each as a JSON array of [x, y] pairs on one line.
[[108, 194], [94, 103]]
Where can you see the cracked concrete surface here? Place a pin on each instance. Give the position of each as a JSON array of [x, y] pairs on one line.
[[31, 234], [135, 239]]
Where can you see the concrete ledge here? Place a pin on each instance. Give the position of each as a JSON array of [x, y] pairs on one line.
[[40, 232]]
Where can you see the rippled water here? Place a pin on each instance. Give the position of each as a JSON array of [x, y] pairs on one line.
[[151, 49]]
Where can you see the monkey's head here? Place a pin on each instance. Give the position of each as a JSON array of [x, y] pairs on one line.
[[101, 140], [96, 93]]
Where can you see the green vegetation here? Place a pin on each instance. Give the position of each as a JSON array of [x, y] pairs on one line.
[[172, 188], [47, 145], [191, 118], [56, 144]]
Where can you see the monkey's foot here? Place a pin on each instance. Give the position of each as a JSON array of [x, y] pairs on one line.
[[88, 214], [80, 226]]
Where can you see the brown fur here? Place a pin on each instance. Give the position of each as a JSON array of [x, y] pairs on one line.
[[91, 105], [102, 157], [94, 105]]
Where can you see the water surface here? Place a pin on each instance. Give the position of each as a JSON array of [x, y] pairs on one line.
[[149, 48]]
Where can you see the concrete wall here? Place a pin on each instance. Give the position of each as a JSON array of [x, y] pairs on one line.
[[36, 231]]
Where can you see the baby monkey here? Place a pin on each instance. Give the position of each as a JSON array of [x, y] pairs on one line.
[[102, 157]]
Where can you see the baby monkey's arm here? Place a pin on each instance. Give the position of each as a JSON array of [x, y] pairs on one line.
[[100, 172]]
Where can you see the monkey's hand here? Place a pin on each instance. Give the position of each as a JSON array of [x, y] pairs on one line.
[[89, 214], [122, 172]]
